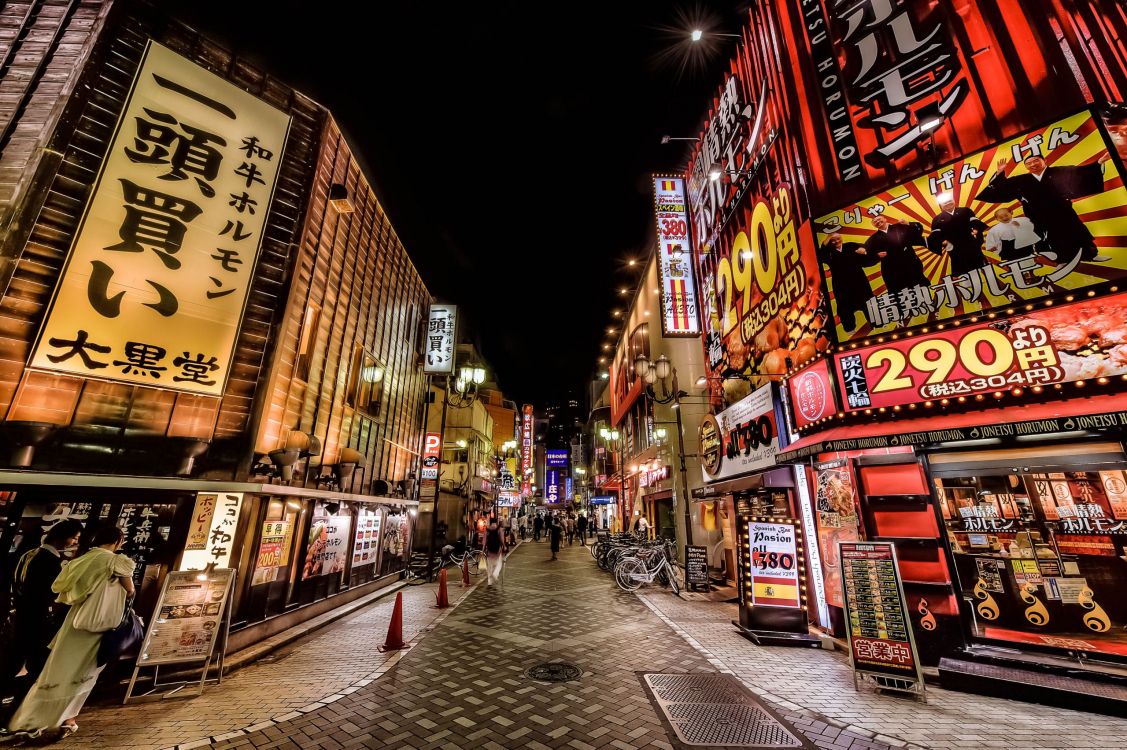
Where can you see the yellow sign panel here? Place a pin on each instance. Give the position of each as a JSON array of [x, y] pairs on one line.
[[157, 279]]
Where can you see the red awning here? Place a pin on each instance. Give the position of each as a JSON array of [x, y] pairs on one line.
[[1102, 411]]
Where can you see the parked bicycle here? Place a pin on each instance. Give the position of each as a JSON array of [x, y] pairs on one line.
[[649, 564]]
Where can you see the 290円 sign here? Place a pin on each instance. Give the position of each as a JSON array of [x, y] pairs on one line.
[[157, 278]]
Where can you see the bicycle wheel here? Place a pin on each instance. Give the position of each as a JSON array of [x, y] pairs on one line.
[[474, 557], [630, 573], [676, 582]]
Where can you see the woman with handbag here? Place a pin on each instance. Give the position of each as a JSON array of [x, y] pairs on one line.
[[96, 586]]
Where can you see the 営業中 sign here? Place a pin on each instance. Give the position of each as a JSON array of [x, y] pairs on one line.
[[156, 281]]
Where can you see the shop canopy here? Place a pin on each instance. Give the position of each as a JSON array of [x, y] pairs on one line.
[[1097, 412]]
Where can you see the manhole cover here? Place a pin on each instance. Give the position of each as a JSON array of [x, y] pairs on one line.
[[554, 672], [716, 710]]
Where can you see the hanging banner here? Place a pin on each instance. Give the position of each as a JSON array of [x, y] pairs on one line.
[[526, 450], [876, 614], [200, 526], [155, 284], [551, 486], [557, 459], [1035, 216], [442, 339], [679, 314], [1052, 345], [222, 523]]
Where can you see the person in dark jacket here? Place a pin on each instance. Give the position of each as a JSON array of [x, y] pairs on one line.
[[1046, 193], [555, 531], [537, 525], [957, 232], [581, 527], [37, 615], [893, 245], [846, 262]]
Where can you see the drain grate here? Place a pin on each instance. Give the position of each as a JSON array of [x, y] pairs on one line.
[[559, 671], [716, 710]]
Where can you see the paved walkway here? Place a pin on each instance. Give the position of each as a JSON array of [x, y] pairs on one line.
[[463, 684]]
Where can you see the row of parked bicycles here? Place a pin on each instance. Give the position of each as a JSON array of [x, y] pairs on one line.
[[636, 561]]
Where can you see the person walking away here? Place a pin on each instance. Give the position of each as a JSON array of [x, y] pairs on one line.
[[555, 532], [68, 677], [581, 527], [514, 524], [494, 553], [523, 526], [569, 528], [37, 615], [537, 524], [643, 527]]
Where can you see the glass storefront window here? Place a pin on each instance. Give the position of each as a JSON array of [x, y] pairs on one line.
[[1041, 556], [396, 542]]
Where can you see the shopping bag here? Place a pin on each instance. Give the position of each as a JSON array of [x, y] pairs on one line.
[[102, 610], [125, 636], [481, 565]]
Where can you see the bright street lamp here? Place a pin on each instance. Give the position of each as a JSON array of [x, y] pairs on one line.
[[697, 35]]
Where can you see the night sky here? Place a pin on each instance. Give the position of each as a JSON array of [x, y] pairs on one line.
[[510, 142]]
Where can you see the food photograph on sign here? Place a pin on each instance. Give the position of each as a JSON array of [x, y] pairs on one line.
[[679, 316], [1026, 219]]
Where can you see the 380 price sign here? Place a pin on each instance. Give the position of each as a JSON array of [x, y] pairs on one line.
[[771, 561], [961, 362]]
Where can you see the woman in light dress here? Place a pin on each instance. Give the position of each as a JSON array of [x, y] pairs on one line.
[[71, 670]]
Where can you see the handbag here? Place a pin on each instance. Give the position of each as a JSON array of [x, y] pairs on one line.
[[102, 610], [481, 565], [125, 636]]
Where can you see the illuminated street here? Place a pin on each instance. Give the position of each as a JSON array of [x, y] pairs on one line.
[[618, 375]]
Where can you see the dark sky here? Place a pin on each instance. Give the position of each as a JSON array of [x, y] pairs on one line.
[[510, 143]]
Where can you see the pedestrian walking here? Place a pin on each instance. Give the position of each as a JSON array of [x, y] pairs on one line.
[[537, 524], [581, 527], [555, 532], [569, 528], [523, 526], [642, 527], [494, 553], [68, 677], [514, 524], [37, 615]]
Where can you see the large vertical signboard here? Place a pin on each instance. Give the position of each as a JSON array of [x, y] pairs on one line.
[[432, 455], [526, 450], [157, 278], [441, 339], [1034, 216], [679, 313], [899, 82], [880, 634], [773, 564]]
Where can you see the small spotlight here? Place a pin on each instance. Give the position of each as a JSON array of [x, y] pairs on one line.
[[696, 35]]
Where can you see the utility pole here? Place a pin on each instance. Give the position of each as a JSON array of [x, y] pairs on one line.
[[438, 482]]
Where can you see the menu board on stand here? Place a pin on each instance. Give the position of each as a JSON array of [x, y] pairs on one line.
[[696, 568], [881, 645], [191, 619]]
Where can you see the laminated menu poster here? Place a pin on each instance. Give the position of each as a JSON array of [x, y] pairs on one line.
[[837, 519], [188, 618], [366, 548], [880, 634]]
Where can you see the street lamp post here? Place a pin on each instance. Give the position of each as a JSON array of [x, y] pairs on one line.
[[460, 392], [613, 437], [662, 372]]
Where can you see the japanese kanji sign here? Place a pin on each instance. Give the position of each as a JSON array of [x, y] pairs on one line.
[[222, 524], [679, 313], [880, 633], [1053, 345], [155, 285], [1039, 215], [441, 339]]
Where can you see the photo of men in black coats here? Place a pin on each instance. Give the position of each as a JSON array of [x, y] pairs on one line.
[[959, 234], [848, 263], [892, 244], [1046, 194]]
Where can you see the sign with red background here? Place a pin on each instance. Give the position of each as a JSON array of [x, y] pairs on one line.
[[1053, 345], [812, 394], [679, 313]]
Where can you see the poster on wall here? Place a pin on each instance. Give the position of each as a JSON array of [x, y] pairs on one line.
[[679, 313], [327, 550], [1034, 216], [366, 545], [155, 284], [1060, 344], [764, 312], [188, 618], [273, 551], [774, 565], [880, 634], [836, 507]]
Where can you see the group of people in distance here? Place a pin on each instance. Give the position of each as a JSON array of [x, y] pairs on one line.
[[1050, 227]]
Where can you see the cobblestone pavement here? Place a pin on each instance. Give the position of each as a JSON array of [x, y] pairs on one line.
[[463, 685], [342, 656], [823, 682]]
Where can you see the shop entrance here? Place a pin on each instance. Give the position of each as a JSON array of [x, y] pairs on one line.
[[664, 521], [1039, 542]]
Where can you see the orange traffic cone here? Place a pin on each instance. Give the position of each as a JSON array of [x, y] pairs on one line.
[[394, 640], [466, 571], [443, 601]]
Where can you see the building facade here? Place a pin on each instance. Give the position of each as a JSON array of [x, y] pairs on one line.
[[212, 330]]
